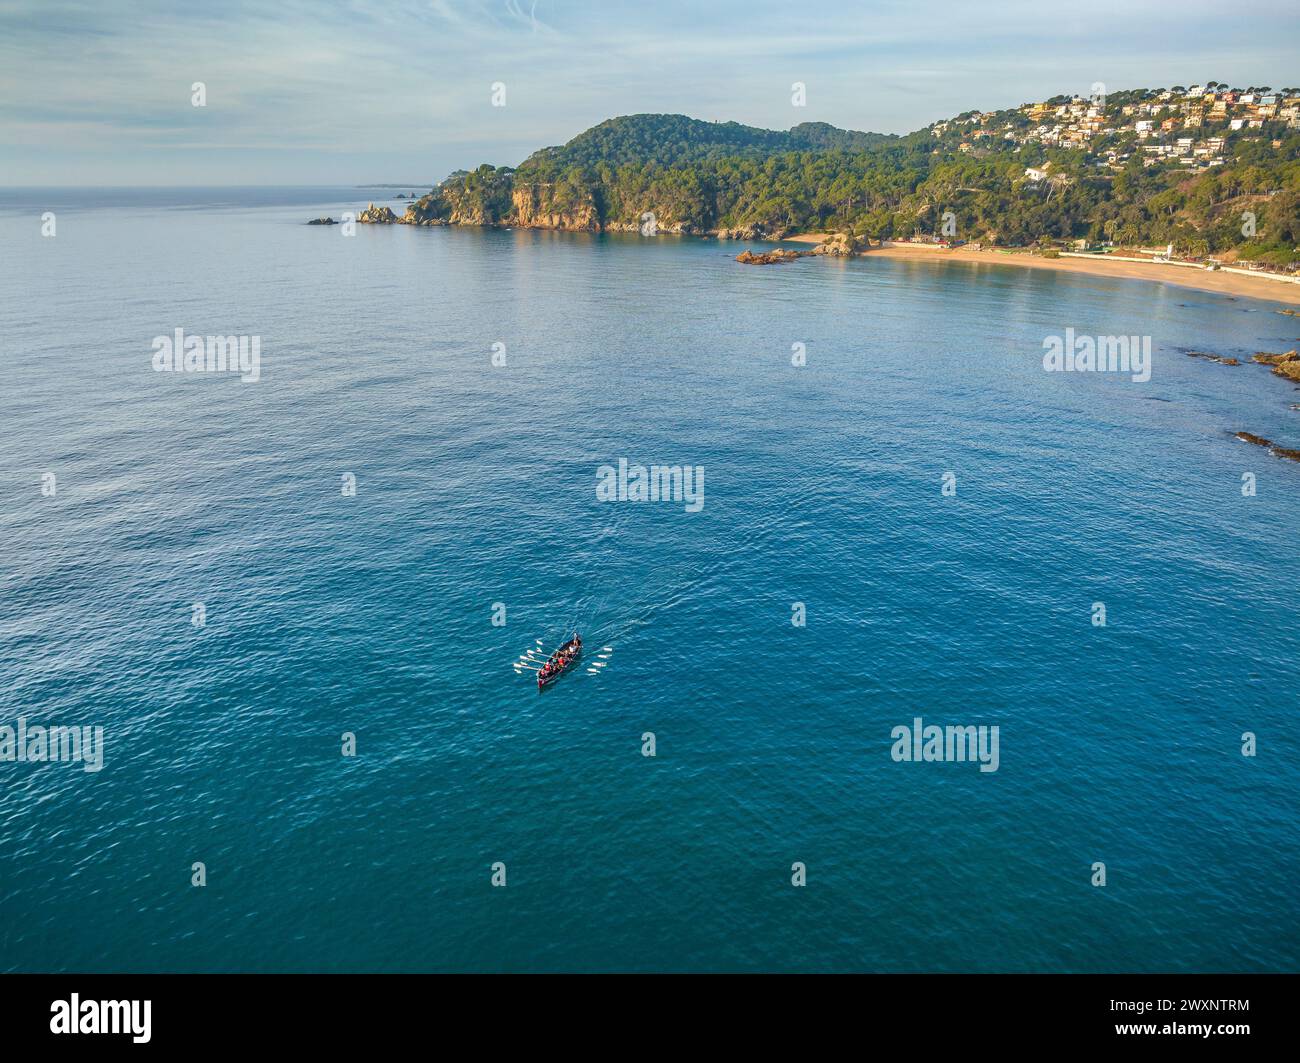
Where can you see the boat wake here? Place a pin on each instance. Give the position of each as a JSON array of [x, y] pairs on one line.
[[590, 615]]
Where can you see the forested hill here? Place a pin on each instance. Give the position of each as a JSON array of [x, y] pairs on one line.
[[674, 139], [1211, 169]]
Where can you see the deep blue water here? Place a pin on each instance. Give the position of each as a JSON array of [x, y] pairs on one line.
[[476, 485]]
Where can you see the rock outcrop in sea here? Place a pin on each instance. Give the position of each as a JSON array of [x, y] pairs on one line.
[[837, 245], [1219, 358], [373, 215], [1269, 445], [767, 258], [1284, 365]]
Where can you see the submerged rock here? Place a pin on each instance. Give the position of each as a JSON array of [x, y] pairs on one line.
[[1219, 358], [1269, 445]]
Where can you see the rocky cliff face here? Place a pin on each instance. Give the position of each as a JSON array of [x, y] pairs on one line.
[[427, 210], [461, 211], [485, 201], [662, 227], [531, 207], [752, 232]]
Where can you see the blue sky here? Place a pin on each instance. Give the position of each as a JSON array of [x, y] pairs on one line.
[[323, 93]]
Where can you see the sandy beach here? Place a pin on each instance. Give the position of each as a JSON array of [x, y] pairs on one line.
[[1235, 284]]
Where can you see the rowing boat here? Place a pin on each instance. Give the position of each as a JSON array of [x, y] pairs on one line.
[[559, 661]]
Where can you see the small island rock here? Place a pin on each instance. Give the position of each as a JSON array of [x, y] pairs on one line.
[[373, 215], [766, 258]]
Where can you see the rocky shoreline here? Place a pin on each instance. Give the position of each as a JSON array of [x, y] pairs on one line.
[[836, 245], [531, 208]]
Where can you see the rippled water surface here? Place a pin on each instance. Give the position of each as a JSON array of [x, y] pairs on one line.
[[475, 485]]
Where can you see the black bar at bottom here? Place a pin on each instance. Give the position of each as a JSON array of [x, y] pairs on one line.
[[341, 1012]]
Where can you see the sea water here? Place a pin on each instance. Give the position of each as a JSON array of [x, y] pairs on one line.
[[905, 519]]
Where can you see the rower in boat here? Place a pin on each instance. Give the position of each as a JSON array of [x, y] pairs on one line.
[[559, 660]]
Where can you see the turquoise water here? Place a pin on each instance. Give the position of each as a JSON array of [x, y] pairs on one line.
[[475, 484]]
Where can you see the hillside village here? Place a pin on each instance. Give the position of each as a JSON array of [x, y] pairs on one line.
[[1191, 127]]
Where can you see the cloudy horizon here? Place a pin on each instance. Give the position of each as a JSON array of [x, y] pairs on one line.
[[298, 93]]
